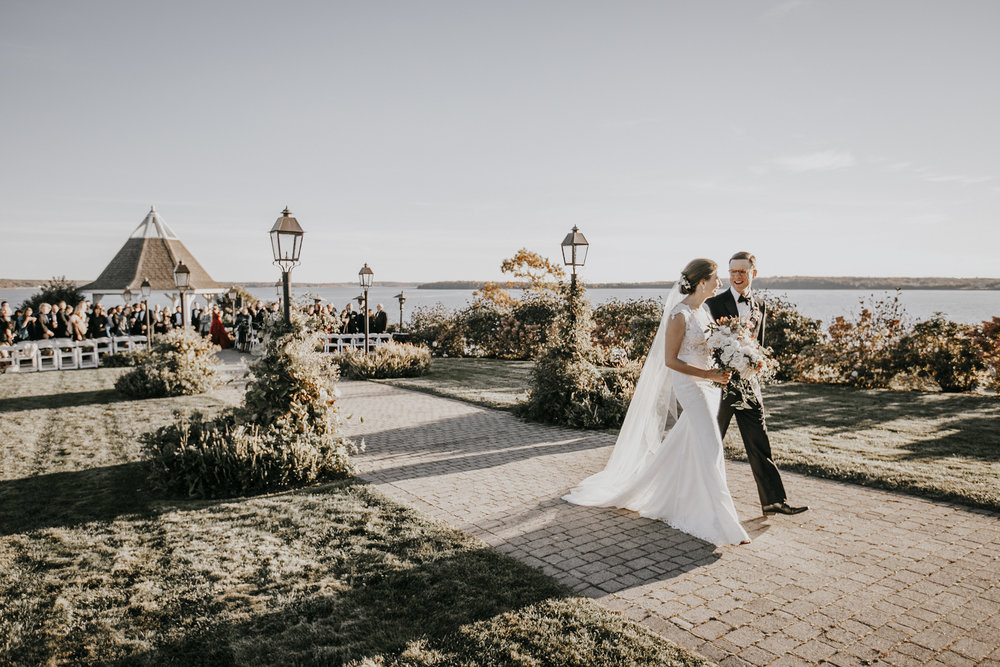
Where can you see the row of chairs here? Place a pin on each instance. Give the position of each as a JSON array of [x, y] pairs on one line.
[[63, 353], [340, 342]]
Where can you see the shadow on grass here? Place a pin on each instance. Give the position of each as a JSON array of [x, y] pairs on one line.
[[71, 399], [377, 616], [948, 424], [69, 499]]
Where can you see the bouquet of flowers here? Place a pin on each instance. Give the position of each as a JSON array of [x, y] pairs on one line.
[[735, 349]]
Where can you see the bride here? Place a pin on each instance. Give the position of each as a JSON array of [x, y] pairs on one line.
[[680, 478]]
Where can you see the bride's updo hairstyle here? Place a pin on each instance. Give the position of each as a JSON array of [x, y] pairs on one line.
[[696, 271]]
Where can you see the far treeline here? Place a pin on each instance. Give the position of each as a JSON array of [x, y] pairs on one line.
[[784, 282]]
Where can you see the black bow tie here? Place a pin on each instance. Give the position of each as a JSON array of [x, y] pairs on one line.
[[743, 299]]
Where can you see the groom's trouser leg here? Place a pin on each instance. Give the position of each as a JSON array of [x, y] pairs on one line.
[[758, 447]]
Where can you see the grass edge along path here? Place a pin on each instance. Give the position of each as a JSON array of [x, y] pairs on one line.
[[95, 570], [933, 445]]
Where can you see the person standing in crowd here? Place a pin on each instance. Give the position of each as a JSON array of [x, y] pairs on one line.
[[6, 324], [77, 322], [259, 316], [347, 319], [62, 321], [98, 325], [381, 321], [218, 330], [42, 329], [196, 314], [177, 319]]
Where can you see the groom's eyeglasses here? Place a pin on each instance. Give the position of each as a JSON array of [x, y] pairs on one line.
[[738, 272]]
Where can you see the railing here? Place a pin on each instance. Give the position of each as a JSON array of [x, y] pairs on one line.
[[55, 354]]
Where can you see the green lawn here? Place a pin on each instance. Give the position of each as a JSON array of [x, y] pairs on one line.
[[96, 570], [944, 446]]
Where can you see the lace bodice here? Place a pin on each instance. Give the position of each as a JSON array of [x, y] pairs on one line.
[[694, 348]]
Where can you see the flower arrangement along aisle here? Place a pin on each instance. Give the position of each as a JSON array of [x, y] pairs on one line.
[[735, 349]]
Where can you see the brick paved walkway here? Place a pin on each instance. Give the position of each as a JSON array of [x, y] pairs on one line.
[[865, 577]]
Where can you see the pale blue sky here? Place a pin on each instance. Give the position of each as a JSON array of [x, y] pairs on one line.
[[432, 139]]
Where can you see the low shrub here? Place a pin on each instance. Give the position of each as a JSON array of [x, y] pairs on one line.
[[284, 434], [629, 326], [793, 337], [394, 360], [988, 341], [949, 353], [123, 359], [439, 329], [860, 351], [221, 457], [180, 363]]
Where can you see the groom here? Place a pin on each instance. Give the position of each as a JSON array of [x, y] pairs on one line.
[[738, 301]]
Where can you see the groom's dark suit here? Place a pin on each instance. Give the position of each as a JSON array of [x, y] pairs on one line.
[[750, 421]]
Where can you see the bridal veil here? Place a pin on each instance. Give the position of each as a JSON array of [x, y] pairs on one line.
[[652, 404]]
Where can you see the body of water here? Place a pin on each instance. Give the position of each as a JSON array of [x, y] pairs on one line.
[[970, 306]]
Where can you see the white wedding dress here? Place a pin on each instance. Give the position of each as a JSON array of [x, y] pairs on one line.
[[680, 478]]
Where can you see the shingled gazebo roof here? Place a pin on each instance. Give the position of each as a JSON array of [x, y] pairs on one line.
[[152, 251]]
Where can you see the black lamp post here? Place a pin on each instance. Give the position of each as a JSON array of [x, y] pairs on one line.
[[401, 297], [146, 290], [182, 279], [286, 245], [366, 277], [574, 249]]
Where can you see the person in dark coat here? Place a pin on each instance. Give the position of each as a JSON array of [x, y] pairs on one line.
[[739, 301], [381, 320]]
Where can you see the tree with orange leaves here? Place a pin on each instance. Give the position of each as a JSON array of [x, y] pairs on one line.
[[532, 271]]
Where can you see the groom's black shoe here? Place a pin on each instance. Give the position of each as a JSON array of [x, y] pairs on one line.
[[783, 508]]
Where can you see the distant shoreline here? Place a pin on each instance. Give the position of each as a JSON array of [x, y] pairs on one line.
[[763, 282], [785, 282]]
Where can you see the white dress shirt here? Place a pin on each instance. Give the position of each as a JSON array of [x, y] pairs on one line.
[[742, 308]]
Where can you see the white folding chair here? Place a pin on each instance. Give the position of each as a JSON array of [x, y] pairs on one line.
[[137, 341], [121, 344], [86, 354], [103, 346], [25, 358], [48, 355], [329, 343], [6, 354], [69, 355]]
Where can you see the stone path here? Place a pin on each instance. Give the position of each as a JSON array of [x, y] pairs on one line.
[[865, 577]]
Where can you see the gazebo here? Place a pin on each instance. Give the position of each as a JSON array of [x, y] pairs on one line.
[[152, 251]]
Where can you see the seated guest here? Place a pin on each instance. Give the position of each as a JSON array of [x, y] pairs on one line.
[[177, 319], [42, 329], [25, 323]]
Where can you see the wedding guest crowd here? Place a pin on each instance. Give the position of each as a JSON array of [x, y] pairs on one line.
[[86, 320]]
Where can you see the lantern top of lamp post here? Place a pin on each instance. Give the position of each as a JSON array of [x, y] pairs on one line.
[[286, 224], [145, 287], [366, 276], [182, 276], [575, 237]]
